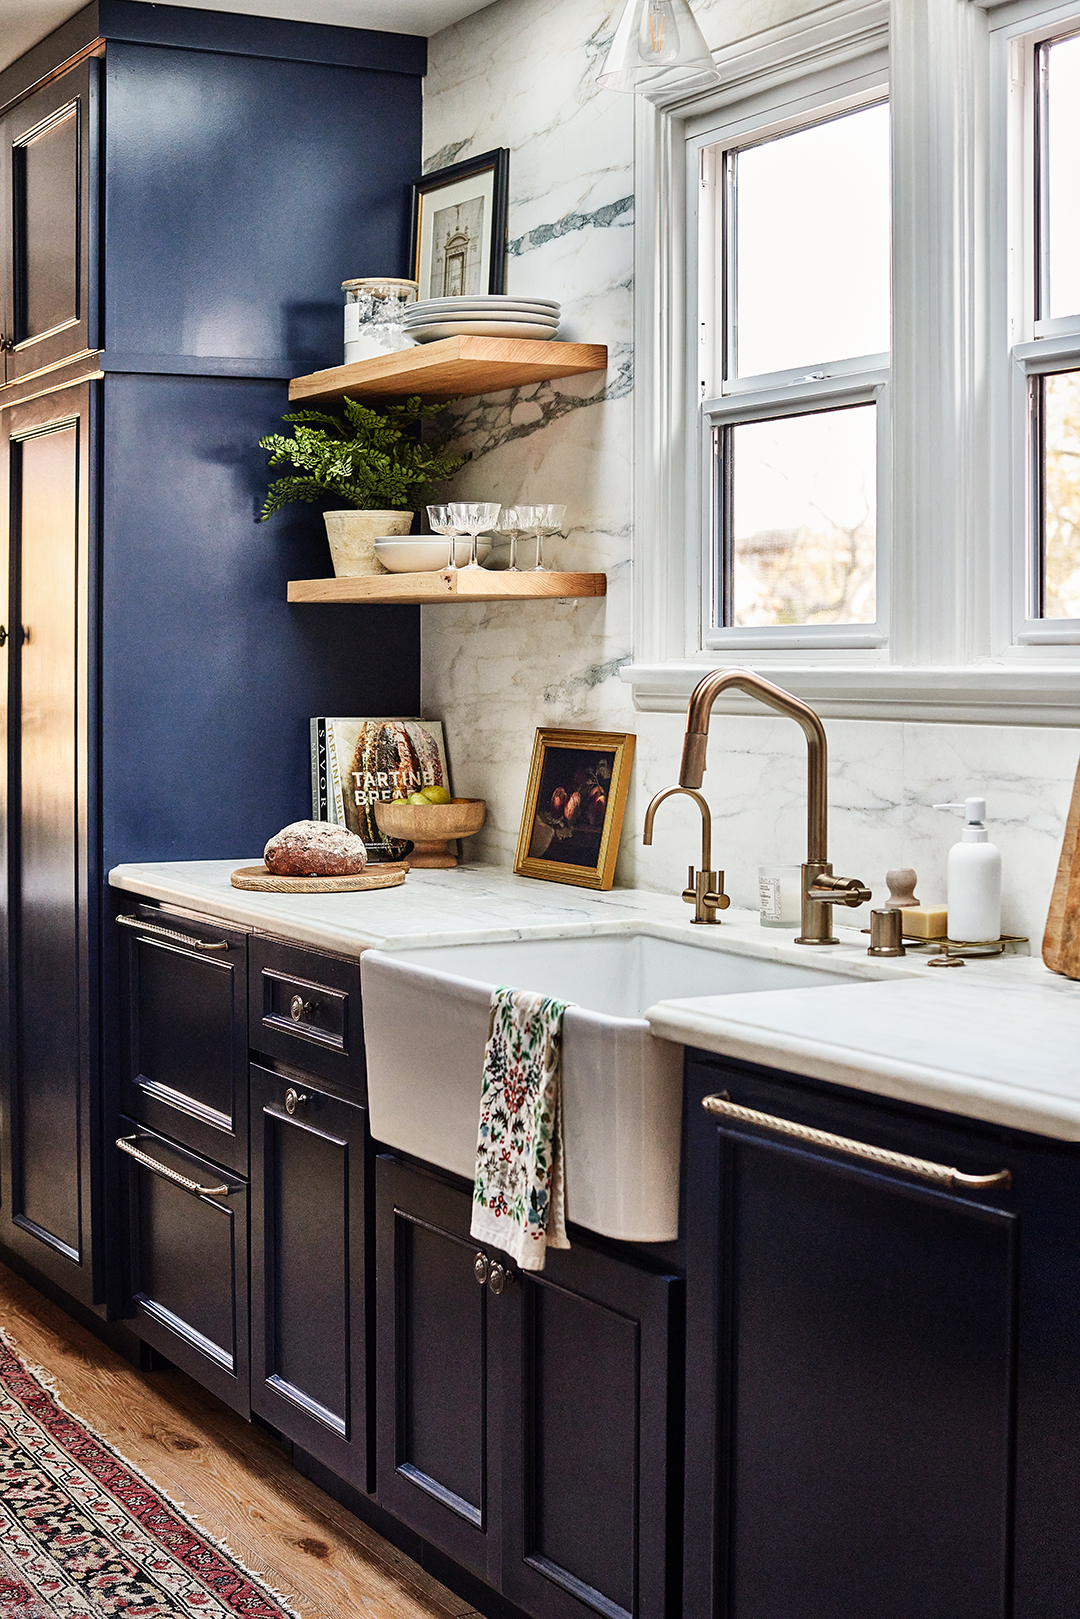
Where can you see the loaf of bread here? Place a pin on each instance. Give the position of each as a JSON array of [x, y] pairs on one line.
[[315, 849]]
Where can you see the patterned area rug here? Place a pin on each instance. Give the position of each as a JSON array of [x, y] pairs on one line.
[[82, 1533]]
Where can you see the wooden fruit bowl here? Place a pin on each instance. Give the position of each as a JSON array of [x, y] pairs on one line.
[[429, 827]]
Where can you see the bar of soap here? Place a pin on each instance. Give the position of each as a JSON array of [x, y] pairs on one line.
[[925, 921]]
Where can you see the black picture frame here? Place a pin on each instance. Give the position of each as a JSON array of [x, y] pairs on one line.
[[497, 163]]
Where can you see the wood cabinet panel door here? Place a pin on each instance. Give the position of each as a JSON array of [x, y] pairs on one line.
[[438, 1431], [590, 1484], [48, 178], [187, 1261], [851, 1352], [308, 1276], [185, 1030], [48, 1004]]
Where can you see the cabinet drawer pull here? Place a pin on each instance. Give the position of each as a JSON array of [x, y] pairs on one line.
[[127, 1144], [300, 1010], [940, 1174], [480, 1268], [216, 946], [294, 1100]]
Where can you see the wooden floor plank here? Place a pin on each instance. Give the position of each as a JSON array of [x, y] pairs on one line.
[[230, 1476]]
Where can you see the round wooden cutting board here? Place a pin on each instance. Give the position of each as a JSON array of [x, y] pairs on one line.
[[257, 877]]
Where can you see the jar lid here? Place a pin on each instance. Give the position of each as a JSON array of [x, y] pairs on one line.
[[382, 286]]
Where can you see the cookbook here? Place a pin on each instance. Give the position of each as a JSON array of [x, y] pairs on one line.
[[355, 763]]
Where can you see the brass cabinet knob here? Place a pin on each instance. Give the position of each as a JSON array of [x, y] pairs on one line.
[[293, 1100], [300, 1010], [480, 1268]]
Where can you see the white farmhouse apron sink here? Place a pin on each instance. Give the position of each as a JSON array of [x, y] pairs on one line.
[[426, 1024]]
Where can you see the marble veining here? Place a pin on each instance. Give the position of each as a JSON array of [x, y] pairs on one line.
[[611, 213], [522, 74]]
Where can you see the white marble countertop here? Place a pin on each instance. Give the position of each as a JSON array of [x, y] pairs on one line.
[[995, 1040]]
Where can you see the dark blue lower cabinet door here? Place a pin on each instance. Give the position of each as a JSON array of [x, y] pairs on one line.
[[851, 1362], [591, 1526], [186, 1261], [439, 1438], [308, 1313]]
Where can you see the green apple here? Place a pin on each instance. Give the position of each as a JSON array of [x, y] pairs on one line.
[[435, 795]]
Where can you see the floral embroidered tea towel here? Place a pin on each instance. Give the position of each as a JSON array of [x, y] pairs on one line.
[[518, 1199]]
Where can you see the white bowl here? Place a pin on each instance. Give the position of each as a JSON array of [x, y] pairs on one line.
[[425, 553]]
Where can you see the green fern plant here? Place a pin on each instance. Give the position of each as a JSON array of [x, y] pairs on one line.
[[373, 460]]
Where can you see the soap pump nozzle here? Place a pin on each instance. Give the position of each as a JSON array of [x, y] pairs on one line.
[[974, 813]]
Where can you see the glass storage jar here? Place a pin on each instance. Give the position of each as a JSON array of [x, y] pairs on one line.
[[374, 306]]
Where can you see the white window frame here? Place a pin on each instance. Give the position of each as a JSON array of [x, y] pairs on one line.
[[1023, 347], [955, 651]]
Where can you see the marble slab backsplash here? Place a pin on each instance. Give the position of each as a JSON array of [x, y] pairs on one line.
[[521, 74]]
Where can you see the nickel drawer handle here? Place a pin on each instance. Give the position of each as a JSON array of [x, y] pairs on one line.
[[205, 945], [940, 1174], [127, 1144]]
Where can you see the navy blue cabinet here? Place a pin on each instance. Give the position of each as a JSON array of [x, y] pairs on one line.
[[525, 1421], [308, 1269], [883, 1387], [177, 212]]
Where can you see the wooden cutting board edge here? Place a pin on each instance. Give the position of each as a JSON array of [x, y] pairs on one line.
[[1061, 941], [258, 879]]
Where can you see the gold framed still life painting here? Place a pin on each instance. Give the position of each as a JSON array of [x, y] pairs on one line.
[[574, 807]]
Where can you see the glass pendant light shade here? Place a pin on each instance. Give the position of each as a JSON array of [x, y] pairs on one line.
[[658, 46]]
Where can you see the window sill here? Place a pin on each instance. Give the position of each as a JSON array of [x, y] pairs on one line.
[[985, 694]]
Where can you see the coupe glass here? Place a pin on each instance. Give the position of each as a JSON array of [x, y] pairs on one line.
[[531, 521], [551, 522], [474, 517], [509, 523], [439, 522]]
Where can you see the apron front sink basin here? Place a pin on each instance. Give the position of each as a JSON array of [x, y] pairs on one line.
[[426, 1024]]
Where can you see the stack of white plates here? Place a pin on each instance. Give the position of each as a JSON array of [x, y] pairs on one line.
[[493, 315]]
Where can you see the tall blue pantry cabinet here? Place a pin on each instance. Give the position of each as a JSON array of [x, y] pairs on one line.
[[181, 194]]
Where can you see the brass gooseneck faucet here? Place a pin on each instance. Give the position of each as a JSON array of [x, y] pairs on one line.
[[820, 889], [705, 888]]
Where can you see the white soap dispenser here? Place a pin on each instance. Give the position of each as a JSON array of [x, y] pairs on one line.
[[974, 878]]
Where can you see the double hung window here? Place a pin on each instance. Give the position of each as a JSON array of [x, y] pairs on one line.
[[858, 356], [793, 358]]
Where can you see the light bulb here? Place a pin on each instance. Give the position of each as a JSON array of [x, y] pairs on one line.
[[658, 40]]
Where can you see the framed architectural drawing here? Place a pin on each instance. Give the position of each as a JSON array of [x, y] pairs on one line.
[[459, 227]]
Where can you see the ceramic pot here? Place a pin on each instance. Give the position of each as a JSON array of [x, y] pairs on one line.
[[429, 827], [352, 537]]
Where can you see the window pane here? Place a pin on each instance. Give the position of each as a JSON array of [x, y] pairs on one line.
[[1061, 496], [812, 245], [1061, 190], [802, 521]]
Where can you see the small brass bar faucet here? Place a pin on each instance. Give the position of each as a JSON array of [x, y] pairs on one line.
[[820, 889], [705, 888]]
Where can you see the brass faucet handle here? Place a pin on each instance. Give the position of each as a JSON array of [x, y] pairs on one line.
[[705, 892], [832, 890]]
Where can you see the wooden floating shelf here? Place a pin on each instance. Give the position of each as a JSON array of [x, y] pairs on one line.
[[451, 585], [449, 369]]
